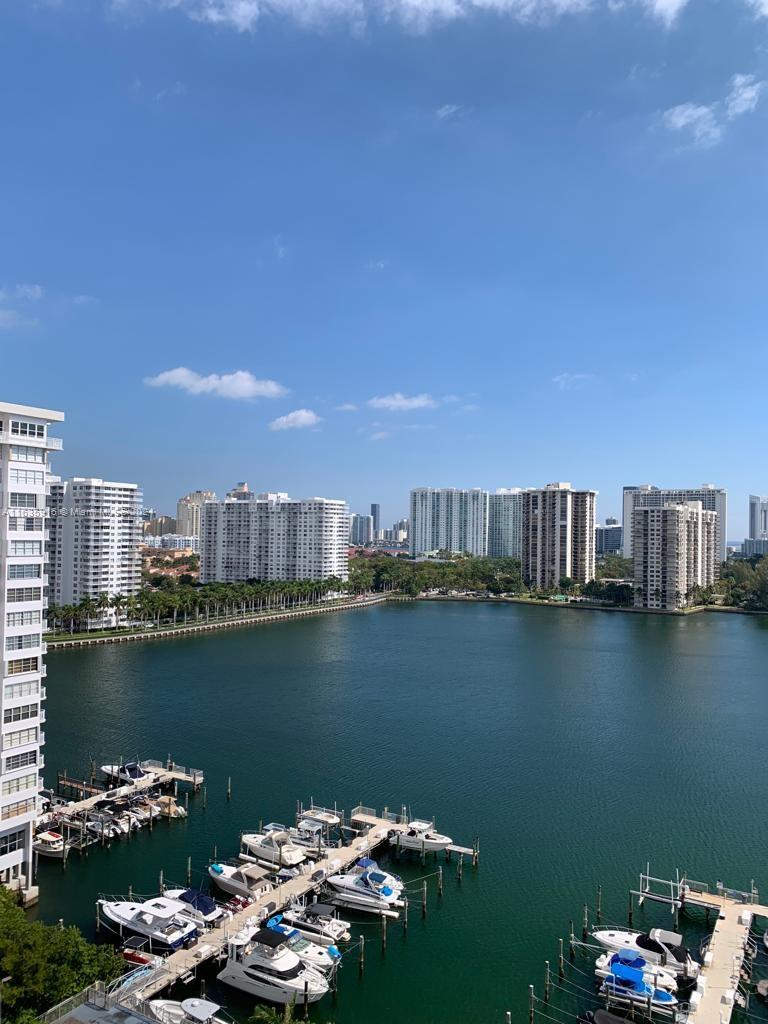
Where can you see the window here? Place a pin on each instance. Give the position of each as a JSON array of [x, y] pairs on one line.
[[15, 668], [20, 807], [29, 524], [23, 429], [23, 642], [21, 714], [21, 548], [17, 785], [20, 760], [17, 739], [26, 476], [24, 453], [20, 500], [23, 618], [23, 594], [28, 689], [11, 842], [23, 572]]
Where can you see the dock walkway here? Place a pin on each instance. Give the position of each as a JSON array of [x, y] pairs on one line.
[[162, 774]]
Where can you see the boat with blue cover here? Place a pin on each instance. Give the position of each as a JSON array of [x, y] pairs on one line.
[[200, 907], [627, 984], [652, 973], [365, 890]]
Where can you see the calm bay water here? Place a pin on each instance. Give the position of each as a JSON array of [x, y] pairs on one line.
[[576, 745]]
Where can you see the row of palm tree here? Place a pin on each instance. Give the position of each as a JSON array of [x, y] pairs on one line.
[[182, 604]]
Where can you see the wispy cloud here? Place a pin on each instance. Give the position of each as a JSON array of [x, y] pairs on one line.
[[83, 300], [280, 249], [571, 381], [380, 435], [377, 264], [11, 319], [449, 111], [296, 420], [346, 407], [177, 89], [469, 407], [29, 292], [399, 402], [705, 124], [238, 385]]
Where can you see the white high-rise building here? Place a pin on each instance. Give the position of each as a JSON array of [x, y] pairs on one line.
[[24, 473], [188, 512], [713, 499], [505, 523], [95, 530], [558, 535], [449, 519], [273, 537], [361, 529], [758, 517], [675, 550]]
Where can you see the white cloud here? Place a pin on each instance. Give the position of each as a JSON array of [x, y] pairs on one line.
[[399, 402], [30, 292], [380, 435], [10, 319], [705, 123], [177, 89], [376, 264], [448, 110], [346, 407], [571, 381], [665, 11], [296, 420], [470, 407], [281, 252], [240, 384], [83, 300], [744, 95]]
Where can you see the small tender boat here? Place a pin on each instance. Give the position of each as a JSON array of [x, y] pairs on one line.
[[128, 774], [134, 952], [50, 844], [364, 891], [168, 807], [261, 964], [188, 1011], [318, 922], [657, 946], [157, 920], [328, 819], [421, 836], [249, 881], [626, 984], [652, 973], [201, 908], [274, 848], [309, 952]]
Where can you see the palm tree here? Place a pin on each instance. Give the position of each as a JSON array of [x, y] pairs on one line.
[[103, 604], [54, 614], [87, 609], [119, 602]]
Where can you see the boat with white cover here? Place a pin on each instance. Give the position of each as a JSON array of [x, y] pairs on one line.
[[652, 973], [378, 875], [328, 819], [158, 920], [657, 946], [363, 891], [199, 906], [311, 953], [249, 880], [309, 834], [260, 963], [128, 774], [188, 1011], [420, 836], [274, 848], [50, 844], [318, 922]]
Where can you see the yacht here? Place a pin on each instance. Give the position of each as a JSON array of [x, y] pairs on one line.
[[318, 922], [377, 874], [274, 848], [627, 984], [128, 774], [309, 834], [420, 836], [309, 952], [249, 881], [652, 973], [50, 844], [188, 1011], [261, 964], [158, 920], [362, 891], [657, 946], [328, 819], [200, 908]]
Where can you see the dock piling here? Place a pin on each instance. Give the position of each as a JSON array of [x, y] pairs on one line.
[[476, 852], [585, 923], [405, 915], [440, 881], [531, 1000], [571, 939], [162, 882], [560, 961], [598, 909], [306, 999], [98, 917], [424, 898], [229, 787], [215, 852], [130, 893], [508, 1017], [459, 867], [630, 909], [361, 960], [205, 796], [189, 871], [383, 934], [546, 981]]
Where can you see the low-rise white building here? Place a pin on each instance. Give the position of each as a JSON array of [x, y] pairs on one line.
[[675, 550]]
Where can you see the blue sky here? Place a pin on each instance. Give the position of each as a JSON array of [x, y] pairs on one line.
[[448, 242]]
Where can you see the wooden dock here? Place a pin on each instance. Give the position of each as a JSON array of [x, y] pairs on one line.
[[161, 774]]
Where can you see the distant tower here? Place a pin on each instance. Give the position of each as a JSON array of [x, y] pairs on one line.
[[376, 516]]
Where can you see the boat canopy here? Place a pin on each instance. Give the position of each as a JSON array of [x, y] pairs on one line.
[[629, 975], [252, 872], [668, 938], [133, 770], [305, 825], [199, 1009], [319, 910], [366, 862], [629, 958], [162, 907], [199, 900], [268, 937]]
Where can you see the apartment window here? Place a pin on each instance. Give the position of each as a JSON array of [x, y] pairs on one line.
[[25, 453], [21, 713], [20, 500], [26, 476], [23, 642], [24, 760], [17, 739], [15, 668], [17, 785], [23, 572], [23, 594], [23, 429], [21, 548], [23, 618], [29, 524], [28, 689], [19, 807], [11, 842]]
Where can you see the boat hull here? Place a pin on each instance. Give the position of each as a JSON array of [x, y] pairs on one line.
[[271, 990]]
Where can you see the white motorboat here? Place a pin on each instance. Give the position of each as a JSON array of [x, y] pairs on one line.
[[627, 985], [328, 819], [420, 836], [657, 946], [50, 844], [361, 891], [309, 834], [309, 952], [654, 975], [128, 774], [188, 1011], [377, 874], [249, 880], [274, 848], [261, 964], [318, 922], [158, 920], [200, 908]]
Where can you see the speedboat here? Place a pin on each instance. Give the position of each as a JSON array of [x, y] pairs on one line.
[[328, 819], [309, 834], [421, 836], [50, 844], [168, 807], [199, 906], [261, 964], [377, 874], [274, 848], [309, 952], [318, 922], [657, 946], [158, 920], [128, 774], [652, 973], [188, 1011], [249, 881], [361, 891], [627, 984]]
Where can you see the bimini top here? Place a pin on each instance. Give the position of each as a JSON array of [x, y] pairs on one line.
[[319, 910], [199, 1009], [420, 826], [629, 975], [161, 907], [133, 770], [199, 900], [268, 937], [366, 862], [305, 825]]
